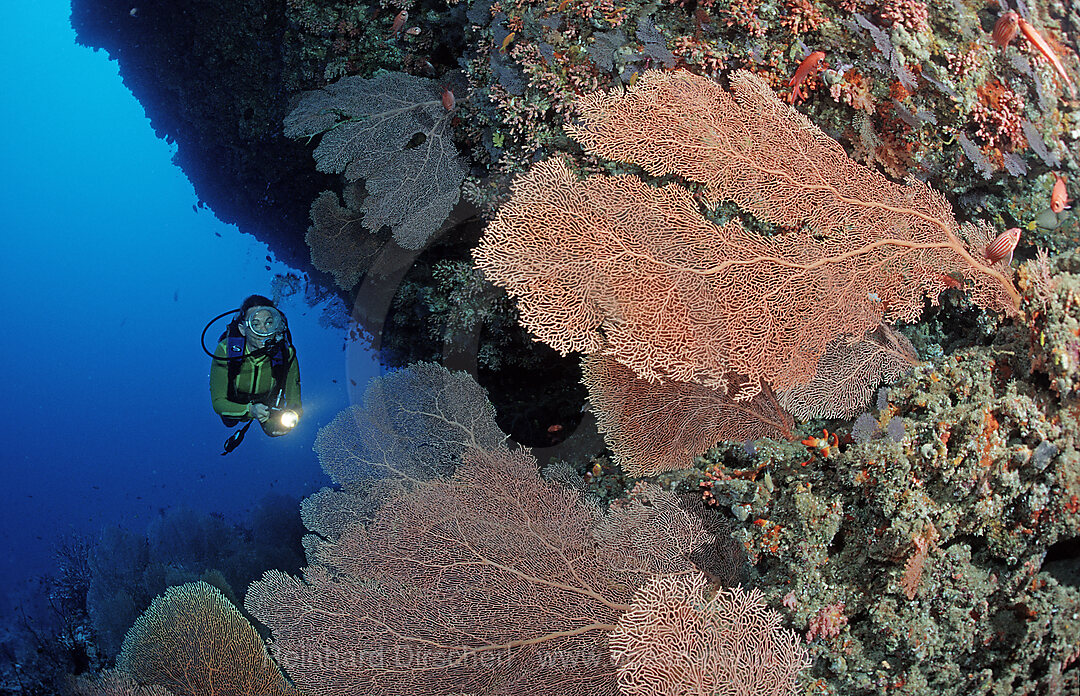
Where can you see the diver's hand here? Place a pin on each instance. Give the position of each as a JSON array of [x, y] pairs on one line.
[[260, 412]]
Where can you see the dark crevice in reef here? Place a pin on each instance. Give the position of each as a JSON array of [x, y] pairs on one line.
[[209, 75], [1063, 561]]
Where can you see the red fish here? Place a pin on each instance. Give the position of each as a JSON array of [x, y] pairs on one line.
[[1044, 48], [1003, 246], [399, 22], [448, 98], [949, 282], [809, 66], [1005, 28], [1059, 196]]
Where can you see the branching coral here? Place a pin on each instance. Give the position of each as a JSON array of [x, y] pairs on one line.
[[998, 117], [912, 14]]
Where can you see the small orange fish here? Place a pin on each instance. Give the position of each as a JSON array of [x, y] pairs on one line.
[[448, 98], [1003, 245], [554, 428], [948, 281], [399, 22], [1044, 48], [506, 41], [562, 5], [807, 67], [1059, 196]]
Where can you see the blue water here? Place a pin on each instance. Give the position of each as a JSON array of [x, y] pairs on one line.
[[109, 275]]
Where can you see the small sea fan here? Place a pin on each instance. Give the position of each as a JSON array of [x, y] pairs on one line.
[[865, 428], [882, 398], [895, 428]]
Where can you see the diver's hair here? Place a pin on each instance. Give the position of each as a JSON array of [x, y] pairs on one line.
[[255, 301], [249, 302]]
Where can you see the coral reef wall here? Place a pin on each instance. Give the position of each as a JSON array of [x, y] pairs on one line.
[[921, 538], [210, 77]]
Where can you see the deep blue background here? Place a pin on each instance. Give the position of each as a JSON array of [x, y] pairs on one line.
[[109, 276]]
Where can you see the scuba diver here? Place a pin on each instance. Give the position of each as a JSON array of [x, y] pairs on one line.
[[254, 375]]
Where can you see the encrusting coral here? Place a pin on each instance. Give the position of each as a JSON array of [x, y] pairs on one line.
[[936, 547]]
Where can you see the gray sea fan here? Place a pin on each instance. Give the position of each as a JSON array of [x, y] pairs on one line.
[[1038, 145], [895, 428], [882, 402], [337, 239], [1014, 164], [413, 425], [604, 46], [479, 12], [647, 33], [660, 54], [865, 428], [975, 155], [392, 131], [508, 74], [653, 41]]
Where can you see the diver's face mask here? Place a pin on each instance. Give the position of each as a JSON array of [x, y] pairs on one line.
[[263, 324]]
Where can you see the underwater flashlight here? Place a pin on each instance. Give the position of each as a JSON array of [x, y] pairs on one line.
[[287, 418]]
